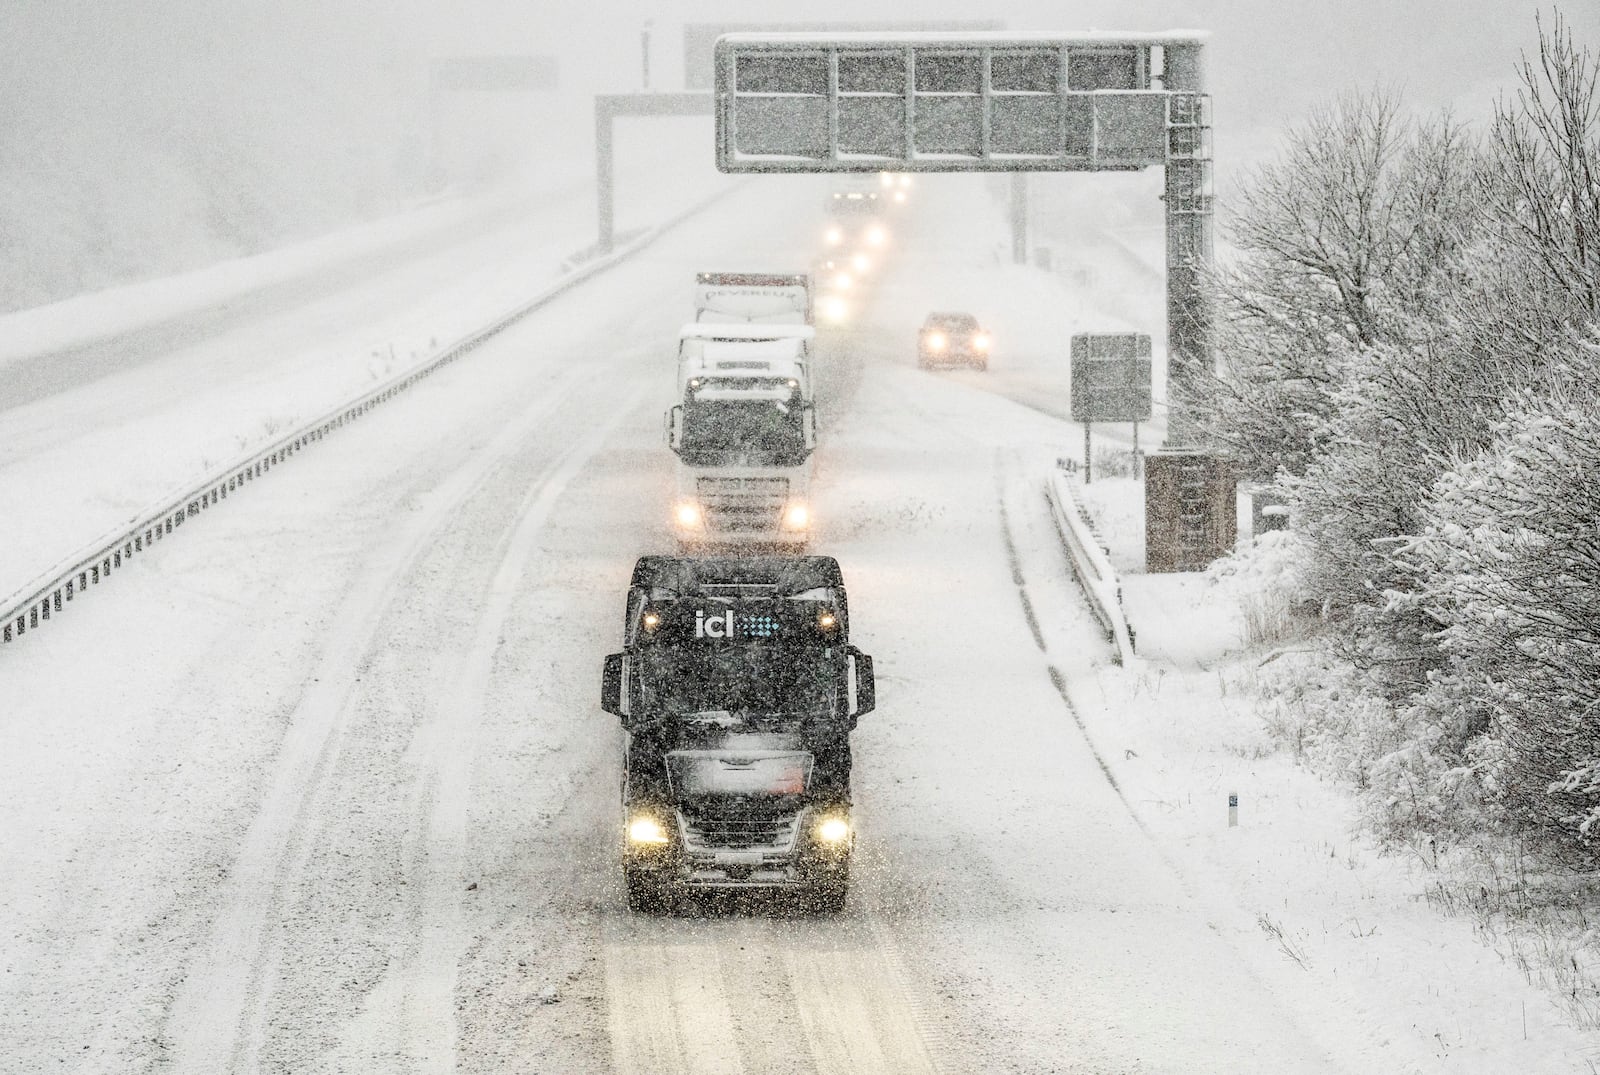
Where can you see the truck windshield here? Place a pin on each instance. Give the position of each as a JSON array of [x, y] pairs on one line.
[[752, 676], [742, 432]]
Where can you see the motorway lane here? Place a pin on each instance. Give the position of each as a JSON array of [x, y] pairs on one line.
[[381, 800]]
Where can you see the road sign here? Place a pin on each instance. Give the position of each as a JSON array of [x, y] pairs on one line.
[[1111, 377], [700, 38], [950, 102]]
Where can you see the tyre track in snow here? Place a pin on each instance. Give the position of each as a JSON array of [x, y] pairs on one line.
[[219, 1021], [720, 995]]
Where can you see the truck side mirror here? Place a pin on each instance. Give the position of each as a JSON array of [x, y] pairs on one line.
[[809, 420], [673, 420], [866, 686], [611, 686]]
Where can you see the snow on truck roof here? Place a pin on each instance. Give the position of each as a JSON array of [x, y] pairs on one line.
[[745, 330]]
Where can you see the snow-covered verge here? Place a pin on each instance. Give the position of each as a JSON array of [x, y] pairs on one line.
[[207, 366], [1459, 944]]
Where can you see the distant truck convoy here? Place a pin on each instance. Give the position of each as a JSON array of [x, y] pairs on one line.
[[738, 688], [745, 426]]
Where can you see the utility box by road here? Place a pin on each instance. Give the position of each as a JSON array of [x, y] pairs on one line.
[[1111, 377], [1190, 502]]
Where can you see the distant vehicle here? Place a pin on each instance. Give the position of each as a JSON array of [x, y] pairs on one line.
[[782, 298], [950, 339], [856, 219]]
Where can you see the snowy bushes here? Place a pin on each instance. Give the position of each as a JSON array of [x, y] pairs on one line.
[[1510, 561], [1403, 338]]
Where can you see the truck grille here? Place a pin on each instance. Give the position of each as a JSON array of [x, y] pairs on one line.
[[743, 504], [710, 835]]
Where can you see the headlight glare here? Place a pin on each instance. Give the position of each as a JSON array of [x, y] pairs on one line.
[[647, 830], [688, 514], [833, 830]]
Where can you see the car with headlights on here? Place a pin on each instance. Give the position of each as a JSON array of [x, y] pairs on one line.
[[953, 339]]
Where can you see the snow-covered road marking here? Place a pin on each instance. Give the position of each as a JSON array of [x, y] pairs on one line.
[[668, 1010], [217, 1023], [448, 739]]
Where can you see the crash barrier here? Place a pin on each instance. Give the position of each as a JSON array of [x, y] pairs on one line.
[[48, 594], [1090, 563]]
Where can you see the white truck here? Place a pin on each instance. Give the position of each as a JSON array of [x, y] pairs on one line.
[[746, 425], [765, 298]]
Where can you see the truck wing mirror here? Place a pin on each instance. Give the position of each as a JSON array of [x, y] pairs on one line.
[[673, 420], [866, 687], [809, 418], [611, 686]]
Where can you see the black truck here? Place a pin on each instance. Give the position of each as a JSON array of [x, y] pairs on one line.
[[738, 687]]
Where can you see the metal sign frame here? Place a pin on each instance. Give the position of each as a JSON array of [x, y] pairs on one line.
[[952, 102]]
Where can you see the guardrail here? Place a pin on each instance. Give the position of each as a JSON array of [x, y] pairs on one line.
[[1090, 563], [49, 593]]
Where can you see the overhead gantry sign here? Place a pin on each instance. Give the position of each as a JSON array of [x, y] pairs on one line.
[[949, 102]]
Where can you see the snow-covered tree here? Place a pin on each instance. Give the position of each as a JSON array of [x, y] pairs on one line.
[[1338, 245], [1510, 561]]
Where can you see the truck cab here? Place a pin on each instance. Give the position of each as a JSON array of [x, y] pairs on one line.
[[738, 688], [744, 462], [746, 354]]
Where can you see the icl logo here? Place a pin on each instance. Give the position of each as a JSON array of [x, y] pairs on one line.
[[721, 625], [715, 627]]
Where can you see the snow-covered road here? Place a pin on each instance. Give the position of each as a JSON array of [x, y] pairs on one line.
[[324, 786]]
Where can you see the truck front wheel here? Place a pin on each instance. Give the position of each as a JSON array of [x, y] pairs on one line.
[[646, 895]]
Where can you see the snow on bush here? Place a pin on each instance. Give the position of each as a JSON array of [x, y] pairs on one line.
[[1511, 559]]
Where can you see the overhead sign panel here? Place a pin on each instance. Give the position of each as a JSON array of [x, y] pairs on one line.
[[700, 38], [930, 102]]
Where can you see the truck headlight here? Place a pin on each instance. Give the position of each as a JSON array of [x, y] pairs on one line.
[[936, 341], [878, 235], [689, 514], [834, 236], [796, 517], [980, 342], [647, 830], [833, 830], [835, 309]]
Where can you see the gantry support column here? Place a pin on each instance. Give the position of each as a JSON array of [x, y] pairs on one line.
[[1188, 199]]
